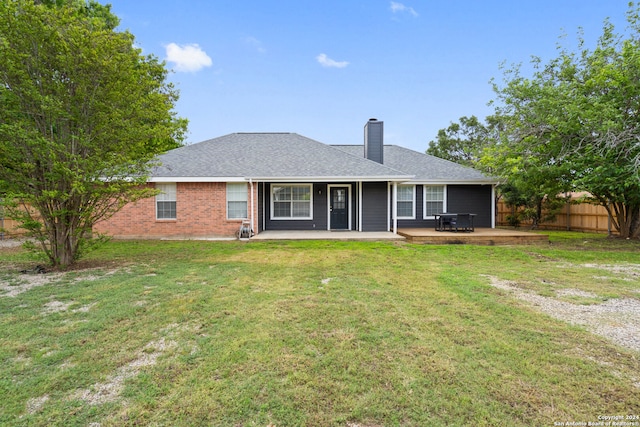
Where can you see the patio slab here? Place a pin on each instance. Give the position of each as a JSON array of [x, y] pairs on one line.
[[326, 235]]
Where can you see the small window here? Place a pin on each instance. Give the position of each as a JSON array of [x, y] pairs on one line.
[[434, 200], [291, 201], [166, 201], [406, 201], [236, 200]]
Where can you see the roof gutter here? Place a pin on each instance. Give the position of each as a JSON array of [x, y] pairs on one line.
[[334, 178], [450, 182]]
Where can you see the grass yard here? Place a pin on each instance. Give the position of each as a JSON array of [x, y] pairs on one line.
[[316, 333]]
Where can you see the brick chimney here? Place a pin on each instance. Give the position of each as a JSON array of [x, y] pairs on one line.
[[374, 140]]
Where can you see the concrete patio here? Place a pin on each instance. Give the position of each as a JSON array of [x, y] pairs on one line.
[[326, 235]]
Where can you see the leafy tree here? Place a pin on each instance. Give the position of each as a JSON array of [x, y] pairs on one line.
[[527, 185], [83, 115], [534, 191], [463, 142], [578, 117]]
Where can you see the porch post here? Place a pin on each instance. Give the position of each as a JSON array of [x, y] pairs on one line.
[[359, 205], [253, 227], [394, 208], [493, 206]]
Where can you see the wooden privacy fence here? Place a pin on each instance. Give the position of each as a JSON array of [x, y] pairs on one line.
[[574, 217], [9, 228]]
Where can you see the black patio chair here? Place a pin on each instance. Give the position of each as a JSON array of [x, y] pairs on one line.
[[463, 222], [447, 222]]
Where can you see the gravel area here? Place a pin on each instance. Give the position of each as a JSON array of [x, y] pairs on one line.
[[616, 319], [11, 243]]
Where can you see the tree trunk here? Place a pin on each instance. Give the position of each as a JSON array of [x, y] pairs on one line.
[[63, 241], [625, 219]]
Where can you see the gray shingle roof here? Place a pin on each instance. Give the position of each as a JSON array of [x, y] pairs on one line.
[[269, 156], [424, 167]]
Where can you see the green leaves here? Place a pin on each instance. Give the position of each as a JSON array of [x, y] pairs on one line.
[[463, 142], [578, 115], [81, 107]]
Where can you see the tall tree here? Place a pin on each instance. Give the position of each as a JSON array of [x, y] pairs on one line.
[[580, 115], [528, 184], [462, 142], [83, 115]]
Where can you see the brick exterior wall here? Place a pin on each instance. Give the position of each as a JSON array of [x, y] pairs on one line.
[[201, 212]]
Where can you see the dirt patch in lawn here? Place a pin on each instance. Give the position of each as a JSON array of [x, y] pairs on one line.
[[19, 284], [111, 389], [16, 284], [616, 319]]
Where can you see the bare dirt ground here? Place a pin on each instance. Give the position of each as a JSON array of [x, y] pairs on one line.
[[11, 243], [618, 320]]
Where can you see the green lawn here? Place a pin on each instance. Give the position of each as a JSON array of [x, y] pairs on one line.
[[313, 334]]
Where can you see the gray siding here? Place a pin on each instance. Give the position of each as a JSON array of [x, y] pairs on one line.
[[471, 199], [261, 187], [374, 206], [319, 221], [460, 199], [320, 213]]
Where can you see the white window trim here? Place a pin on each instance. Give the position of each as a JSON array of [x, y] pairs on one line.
[[424, 200], [296, 218], [175, 191], [413, 201], [227, 200]]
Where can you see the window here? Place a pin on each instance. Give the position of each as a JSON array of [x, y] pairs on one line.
[[291, 201], [236, 200], [166, 201], [434, 200], [406, 201]]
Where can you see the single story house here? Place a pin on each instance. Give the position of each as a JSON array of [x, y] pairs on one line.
[[285, 181]]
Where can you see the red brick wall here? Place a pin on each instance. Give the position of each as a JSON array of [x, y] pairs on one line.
[[201, 212]]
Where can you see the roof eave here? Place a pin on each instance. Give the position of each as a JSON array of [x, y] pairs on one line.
[[197, 179], [399, 178], [454, 182]]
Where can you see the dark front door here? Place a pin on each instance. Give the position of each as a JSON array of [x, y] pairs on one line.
[[339, 208]]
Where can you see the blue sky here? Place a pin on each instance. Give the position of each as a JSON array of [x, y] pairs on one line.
[[323, 68]]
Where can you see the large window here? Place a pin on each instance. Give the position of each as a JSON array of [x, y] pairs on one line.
[[236, 200], [434, 200], [406, 201], [166, 201], [291, 201]]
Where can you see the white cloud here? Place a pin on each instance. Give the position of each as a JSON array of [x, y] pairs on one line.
[[189, 57], [325, 61], [255, 43], [401, 8]]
